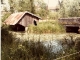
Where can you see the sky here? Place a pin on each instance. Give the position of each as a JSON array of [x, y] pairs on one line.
[[51, 3]]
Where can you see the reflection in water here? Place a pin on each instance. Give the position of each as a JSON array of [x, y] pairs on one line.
[[54, 45]]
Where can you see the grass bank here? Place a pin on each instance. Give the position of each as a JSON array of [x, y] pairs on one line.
[[15, 49], [46, 27]]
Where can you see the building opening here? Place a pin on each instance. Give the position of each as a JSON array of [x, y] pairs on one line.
[[17, 27], [72, 29], [35, 23]]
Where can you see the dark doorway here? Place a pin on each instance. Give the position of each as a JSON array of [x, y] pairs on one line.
[[17, 27], [72, 29], [35, 23]]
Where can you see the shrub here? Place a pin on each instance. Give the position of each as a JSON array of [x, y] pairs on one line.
[[13, 49], [46, 27], [6, 42], [5, 16], [53, 15], [77, 44]]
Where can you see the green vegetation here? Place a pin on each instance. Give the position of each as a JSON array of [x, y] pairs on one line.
[[42, 9], [37, 7], [16, 49], [53, 15], [47, 27], [21, 5], [69, 8], [5, 16], [13, 48]]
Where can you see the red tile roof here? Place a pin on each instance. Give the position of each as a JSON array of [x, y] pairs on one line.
[[15, 17]]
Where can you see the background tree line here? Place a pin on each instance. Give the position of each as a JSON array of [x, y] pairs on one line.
[[37, 7], [67, 8], [34, 6]]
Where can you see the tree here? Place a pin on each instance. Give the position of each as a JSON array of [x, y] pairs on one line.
[[32, 6], [42, 9], [5, 16], [69, 8], [11, 2], [74, 9], [22, 5]]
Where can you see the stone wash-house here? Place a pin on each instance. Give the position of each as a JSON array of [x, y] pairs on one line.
[[71, 24], [21, 20]]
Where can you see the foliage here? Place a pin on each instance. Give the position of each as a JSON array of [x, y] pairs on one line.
[[14, 49], [32, 6], [41, 9], [69, 8], [46, 27], [5, 16], [6, 42], [22, 5], [53, 15], [77, 44], [37, 7], [42, 13], [4, 30]]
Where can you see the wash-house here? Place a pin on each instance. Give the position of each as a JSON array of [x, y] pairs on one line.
[[72, 24], [21, 20]]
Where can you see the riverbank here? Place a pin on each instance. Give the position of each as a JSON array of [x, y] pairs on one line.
[[48, 46], [44, 37]]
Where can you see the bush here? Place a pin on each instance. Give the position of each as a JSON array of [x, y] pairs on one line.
[[53, 15], [5, 16], [6, 37], [13, 49], [77, 44], [46, 27], [6, 42]]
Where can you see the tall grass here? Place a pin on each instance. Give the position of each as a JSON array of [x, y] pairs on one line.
[[14, 49], [47, 27]]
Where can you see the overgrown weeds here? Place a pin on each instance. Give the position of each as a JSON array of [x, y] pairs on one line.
[[12, 49], [46, 27]]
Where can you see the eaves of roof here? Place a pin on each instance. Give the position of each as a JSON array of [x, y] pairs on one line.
[[15, 17]]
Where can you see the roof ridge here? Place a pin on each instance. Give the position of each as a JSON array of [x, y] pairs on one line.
[[16, 17]]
